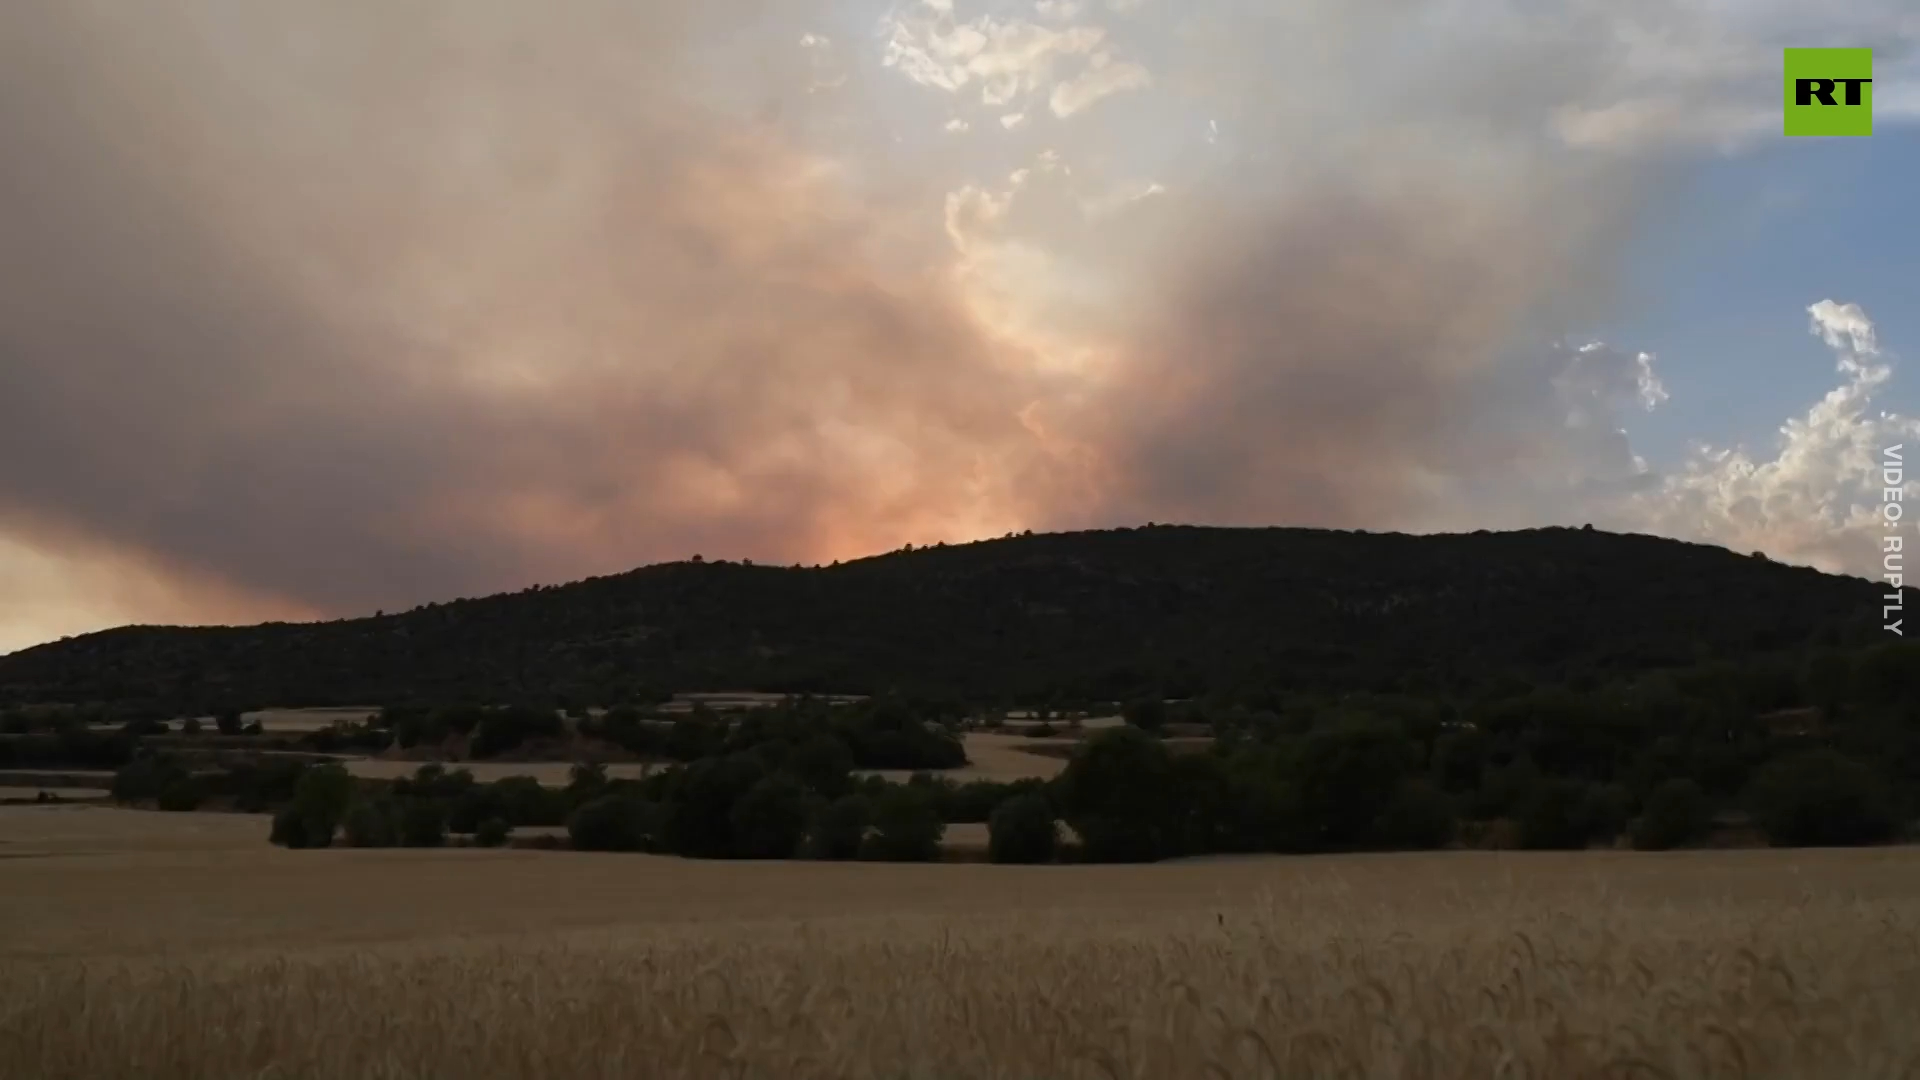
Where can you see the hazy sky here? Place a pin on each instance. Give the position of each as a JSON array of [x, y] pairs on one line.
[[311, 309]]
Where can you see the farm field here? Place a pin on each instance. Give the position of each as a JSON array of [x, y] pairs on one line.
[[176, 946]]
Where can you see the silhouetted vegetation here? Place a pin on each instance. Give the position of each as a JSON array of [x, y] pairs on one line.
[[1546, 689], [1159, 612], [1022, 830]]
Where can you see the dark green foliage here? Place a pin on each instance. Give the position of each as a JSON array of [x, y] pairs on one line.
[[423, 823], [182, 794], [1110, 615], [1821, 798], [290, 830], [1607, 810], [1022, 830], [699, 804], [320, 802], [839, 828], [610, 823], [1676, 814], [1420, 818], [770, 819], [492, 832], [1346, 777], [1568, 815], [905, 828], [144, 778], [1120, 794], [372, 823]]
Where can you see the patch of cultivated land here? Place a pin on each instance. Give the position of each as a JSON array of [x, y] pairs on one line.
[[167, 947]]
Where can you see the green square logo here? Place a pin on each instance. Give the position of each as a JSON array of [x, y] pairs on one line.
[[1829, 91]]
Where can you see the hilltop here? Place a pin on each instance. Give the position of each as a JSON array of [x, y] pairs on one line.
[[1101, 614]]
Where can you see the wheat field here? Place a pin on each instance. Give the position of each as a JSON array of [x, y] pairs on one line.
[[168, 947]]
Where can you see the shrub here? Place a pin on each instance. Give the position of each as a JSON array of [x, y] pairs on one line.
[[228, 722], [1821, 798], [906, 828], [1677, 813], [492, 832], [1022, 830]]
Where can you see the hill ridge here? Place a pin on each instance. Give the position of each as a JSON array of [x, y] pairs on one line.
[[1093, 613]]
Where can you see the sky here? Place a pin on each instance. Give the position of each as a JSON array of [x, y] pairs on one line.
[[308, 311]]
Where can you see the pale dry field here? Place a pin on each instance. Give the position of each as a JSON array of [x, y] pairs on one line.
[[208, 957]]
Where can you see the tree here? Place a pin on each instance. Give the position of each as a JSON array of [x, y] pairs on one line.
[[840, 827], [370, 824], [906, 828], [228, 722], [1420, 818], [609, 823], [190, 726], [423, 824], [825, 764], [699, 804], [1677, 814], [770, 820], [1552, 817], [320, 801], [1346, 776], [1821, 798], [492, 833], [289, 829], [1121, 794], [1022, 830], [183, 793]]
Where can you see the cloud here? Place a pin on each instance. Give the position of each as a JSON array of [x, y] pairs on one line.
[[320, 309], [1103, 78], [1007, 60], [1817, 499], [362, 306]]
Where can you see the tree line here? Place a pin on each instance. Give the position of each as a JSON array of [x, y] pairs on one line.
[[1827, 752]]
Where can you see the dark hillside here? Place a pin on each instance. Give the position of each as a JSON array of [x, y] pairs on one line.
[[1108, 614]]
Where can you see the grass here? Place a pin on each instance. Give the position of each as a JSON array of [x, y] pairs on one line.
[[150, 950]]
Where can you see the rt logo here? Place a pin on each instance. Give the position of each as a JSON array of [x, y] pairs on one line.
[[1829, 91]]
